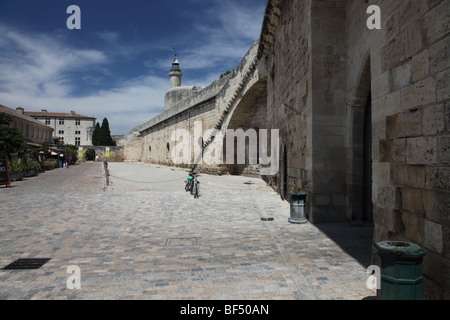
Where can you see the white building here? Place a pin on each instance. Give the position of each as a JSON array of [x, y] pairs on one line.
[[70, 128]]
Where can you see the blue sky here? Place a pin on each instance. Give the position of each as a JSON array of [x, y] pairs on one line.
[[117, 65]]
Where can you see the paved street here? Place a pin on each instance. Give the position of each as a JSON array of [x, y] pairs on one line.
[[144, 237]]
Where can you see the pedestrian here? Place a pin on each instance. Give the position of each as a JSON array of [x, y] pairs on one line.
[[67, 162]]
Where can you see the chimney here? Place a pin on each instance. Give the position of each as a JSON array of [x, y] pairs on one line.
[[72, 112], [20, 110], [44, 110]]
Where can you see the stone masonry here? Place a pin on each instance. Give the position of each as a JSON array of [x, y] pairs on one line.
[[363, 115]]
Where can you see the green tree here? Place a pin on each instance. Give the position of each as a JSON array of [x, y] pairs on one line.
[[11, 139], [90, 155], [105, 135], [96, 135]]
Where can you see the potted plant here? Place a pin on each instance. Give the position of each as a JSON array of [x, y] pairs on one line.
[[16, 168], [50, 164], [30, 168]]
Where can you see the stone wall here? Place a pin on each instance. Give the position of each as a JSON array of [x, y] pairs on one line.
[[116, 154], [410, 83], [152, 142], [289, 98], [364, 119], [363, 115]]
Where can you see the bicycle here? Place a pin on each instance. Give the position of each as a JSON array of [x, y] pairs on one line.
[[189, 184], [192, 184]]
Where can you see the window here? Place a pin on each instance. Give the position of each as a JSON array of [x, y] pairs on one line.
[[47, 121], [78, 122], [77, 133], [77, 141], [61, 122], [61, 132], [61, 139]]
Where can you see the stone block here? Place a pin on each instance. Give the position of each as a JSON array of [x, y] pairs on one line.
[[392, 151], [438, 178], [393, 221], [393, 103], [394, 54], [414, 227], [417, 94], [420, 66], [401, 76], [447, 115], [440, 56], [433, 120], [399, 151], [443, 149], [409, 176], [408, 12], [437, 205], [382, 173], [385, 196], [381, 86], [436, 269], [436, 22], [421, 150], [413, 39], [412, 200], [392, 25], [407, 124], [443, 85], [433, 236]]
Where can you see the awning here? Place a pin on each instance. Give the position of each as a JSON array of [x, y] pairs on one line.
[[34, 144]]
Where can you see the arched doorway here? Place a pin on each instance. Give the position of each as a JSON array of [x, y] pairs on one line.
[[360, 206]]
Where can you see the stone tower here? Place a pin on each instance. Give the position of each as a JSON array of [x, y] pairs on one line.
[[177, 93], [175, 74]]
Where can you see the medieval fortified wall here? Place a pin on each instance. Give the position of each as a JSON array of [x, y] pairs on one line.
[[363, 117]]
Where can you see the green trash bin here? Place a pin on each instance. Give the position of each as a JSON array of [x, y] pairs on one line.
[[401, 270]]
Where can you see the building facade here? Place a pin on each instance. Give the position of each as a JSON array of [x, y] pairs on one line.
[[69, 128], [363, 117], [34, 132]]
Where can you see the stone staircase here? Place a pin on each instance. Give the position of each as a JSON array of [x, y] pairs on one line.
[[229, 106]]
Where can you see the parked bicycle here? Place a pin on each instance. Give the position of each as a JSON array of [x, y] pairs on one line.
[[192, 184]]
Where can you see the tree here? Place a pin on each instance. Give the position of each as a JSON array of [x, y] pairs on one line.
[[96, 135], [225, 74], [11, 139], [90, 155], [105, 138]]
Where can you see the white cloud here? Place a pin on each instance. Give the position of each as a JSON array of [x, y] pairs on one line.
[[234, 26], [36, 75], [108, 36], [37, 70], [133, 104], [38, 64]]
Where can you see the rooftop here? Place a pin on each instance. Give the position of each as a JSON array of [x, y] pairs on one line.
[[46, 114], [20, 115]]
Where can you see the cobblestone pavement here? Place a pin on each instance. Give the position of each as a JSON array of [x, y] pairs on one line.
[[145, 238]]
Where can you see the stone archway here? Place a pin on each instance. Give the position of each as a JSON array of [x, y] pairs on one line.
[[249, 114]]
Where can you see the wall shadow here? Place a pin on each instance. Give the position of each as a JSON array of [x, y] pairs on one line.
[[356, 241]]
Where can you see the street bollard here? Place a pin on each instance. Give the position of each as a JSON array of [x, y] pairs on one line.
[[298, 214], [401, 270]]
